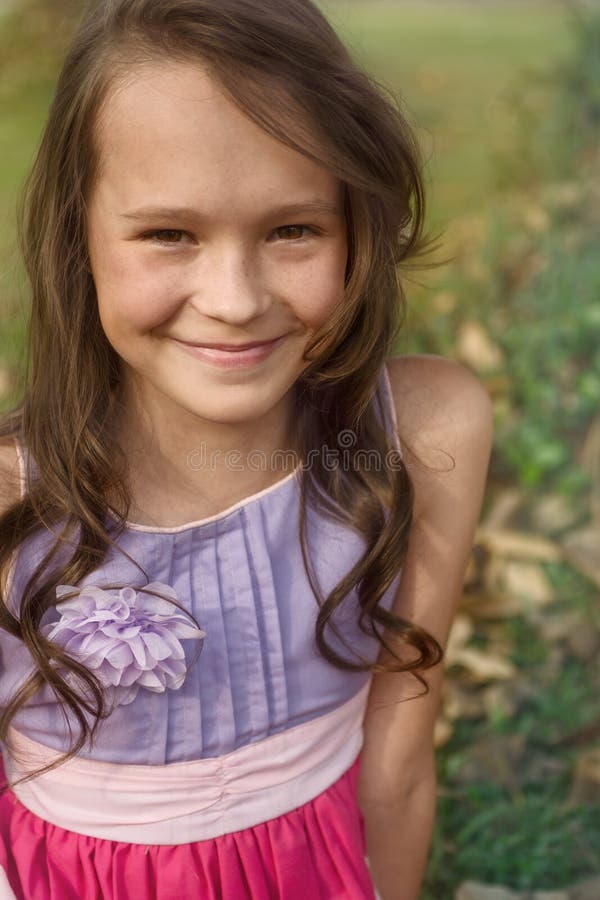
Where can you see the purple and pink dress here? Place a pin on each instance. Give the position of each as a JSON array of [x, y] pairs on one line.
[[228, 767]]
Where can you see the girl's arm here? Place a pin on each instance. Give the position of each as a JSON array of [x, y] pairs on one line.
[[443, 414]]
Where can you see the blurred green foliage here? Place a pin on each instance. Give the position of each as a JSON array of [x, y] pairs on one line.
[[536, 292], [548, 331], [550, 339], [532, 842], [539, 300], [456, 67]]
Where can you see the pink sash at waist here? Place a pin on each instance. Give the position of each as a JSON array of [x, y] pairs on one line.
[[180, 803]]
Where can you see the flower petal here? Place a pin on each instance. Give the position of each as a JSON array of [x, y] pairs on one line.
[[152, 681], [127, 637], [120, 656], [156, 645], [139, 650]]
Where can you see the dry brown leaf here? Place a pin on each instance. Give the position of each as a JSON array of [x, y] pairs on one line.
[[528, 582], [518, 544], [499, 697], [525, 582], [583, 735], [442, 732], [503, 507], [536, 218], [444, 302], [475, 568], [523, 271], [582, 550], [481, 665], [499, 642], [586, 779], [590, 450], [498, 384], [461, 703], [494, 575], [590, 461], [583, 641], [556, 627], [553, 513], [588, 889], [475, 347], [460, 632], [490, 605]]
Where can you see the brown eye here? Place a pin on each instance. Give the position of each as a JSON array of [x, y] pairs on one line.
[[168, 236], [293, 232], [165, 236]]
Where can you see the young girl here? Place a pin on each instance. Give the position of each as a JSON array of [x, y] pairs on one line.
[[234, 527]]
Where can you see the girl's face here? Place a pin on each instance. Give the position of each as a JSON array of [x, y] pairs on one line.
[[203, 229]]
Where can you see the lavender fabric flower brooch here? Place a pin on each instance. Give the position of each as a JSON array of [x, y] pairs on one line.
[[128, 638]]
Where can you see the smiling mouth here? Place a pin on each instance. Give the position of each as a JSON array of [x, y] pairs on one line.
[[233, 357], [233, 348]]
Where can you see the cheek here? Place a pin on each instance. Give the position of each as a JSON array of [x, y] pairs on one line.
[[319, 288], [132, 296]]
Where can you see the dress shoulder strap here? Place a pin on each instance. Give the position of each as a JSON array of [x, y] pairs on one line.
[[21, 456], [9, 574], [389, 408]]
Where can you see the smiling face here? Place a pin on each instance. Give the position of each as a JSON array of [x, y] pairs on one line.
[[204, 229]]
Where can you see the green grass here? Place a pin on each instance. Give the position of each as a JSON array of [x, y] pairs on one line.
[[529, 838], [533, 843], [457, 67]]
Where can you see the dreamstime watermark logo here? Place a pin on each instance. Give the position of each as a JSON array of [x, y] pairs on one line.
[[331, 458]]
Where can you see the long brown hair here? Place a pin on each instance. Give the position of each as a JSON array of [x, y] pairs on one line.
[[286, 69]]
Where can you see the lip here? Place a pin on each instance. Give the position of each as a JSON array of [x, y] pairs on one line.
[[240, 357], [232, 347]]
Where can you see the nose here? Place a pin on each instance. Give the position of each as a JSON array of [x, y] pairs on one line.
[[229, 285]]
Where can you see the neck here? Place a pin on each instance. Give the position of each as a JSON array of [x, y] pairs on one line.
[[183, 468]]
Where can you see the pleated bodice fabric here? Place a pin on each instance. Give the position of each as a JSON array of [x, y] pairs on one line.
[[242, 576]]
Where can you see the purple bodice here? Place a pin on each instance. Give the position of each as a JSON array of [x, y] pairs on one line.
[[242, 576]]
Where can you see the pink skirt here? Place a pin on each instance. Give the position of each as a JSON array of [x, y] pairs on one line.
[[317, 850]]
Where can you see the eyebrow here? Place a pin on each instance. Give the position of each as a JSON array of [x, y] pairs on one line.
[[188, 212]]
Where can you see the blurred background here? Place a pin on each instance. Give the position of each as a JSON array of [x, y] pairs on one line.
[[505, 97]]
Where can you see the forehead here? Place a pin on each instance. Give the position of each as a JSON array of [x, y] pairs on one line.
[[169, 129]]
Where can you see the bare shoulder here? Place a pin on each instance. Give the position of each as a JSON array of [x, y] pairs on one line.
[[445, 422], [10, 484], [445, 426], [436, 394]]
